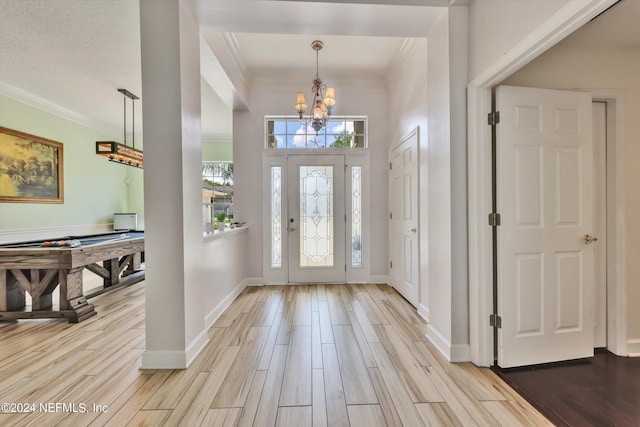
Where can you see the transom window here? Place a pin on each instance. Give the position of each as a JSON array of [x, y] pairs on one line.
[[340, 132]]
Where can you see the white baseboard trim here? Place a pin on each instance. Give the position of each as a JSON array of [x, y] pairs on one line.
[[214, 314], [460, 353], [182, 359], [379, 279], [164, 360], [633, 347], [26, 234], [196, 346], [439, 341], [253, 281], [175, 359], [423, 312]]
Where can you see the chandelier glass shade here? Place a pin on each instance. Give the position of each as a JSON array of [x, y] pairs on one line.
[[324, 98]]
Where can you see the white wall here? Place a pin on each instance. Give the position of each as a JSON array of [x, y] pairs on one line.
[[175, 330], [428, 90], [448, 279], [458, 77], [223, 272], [408, 109], [278, 98], [567, 67], [495, 26], [439, 186], [500, 31]]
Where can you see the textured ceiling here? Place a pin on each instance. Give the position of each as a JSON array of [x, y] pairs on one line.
[[70, 56]]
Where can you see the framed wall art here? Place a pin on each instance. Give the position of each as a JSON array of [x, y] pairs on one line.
[[31, 168]]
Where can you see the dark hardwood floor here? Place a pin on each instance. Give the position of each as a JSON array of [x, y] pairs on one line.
[[601, 391]]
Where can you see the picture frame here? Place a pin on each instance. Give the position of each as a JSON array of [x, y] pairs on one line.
[[31, 168]]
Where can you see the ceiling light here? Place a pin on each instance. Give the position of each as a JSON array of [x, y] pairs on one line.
[[324, 99], [122, 153]]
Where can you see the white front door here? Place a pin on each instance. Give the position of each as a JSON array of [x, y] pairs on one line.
[[545, 252], [403, 191], [316, 218]]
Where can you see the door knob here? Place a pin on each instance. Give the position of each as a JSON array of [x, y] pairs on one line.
[[413, 230], [589, 239]]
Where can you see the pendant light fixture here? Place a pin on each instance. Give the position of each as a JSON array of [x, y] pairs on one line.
[[324, 99], [122, 153]]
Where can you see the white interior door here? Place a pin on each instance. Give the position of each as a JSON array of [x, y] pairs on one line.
[[545, 198], [316, 218], [403, 229]]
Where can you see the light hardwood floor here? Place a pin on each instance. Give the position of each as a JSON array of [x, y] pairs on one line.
[[279, 355]]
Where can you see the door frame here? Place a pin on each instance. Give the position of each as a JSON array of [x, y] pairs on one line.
[[479, 104], [353, 157]]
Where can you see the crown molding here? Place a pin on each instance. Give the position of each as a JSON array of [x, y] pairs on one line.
[[234, 50], [226, 59], [401, 59], [35, 101]]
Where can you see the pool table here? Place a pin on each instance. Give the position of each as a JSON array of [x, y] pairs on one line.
[[40, 267]]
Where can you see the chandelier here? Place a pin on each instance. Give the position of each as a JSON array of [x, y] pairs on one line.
[[122, 153], [324, 99]]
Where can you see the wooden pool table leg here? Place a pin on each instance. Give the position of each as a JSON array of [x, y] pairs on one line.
[[133, 265], [71, 296], [113, 273], [12, 295]]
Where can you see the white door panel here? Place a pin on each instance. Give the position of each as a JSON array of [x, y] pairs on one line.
[[545, 198], [403, 229]]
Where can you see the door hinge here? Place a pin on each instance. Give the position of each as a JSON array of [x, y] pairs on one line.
[[390, 167], [495, 321], [494, 219], [493, 118], [390, 264], [390, 215]]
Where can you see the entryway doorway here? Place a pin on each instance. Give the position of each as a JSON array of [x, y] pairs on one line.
[[316, 224]]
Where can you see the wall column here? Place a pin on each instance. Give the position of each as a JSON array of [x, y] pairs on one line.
[[175, 330]]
